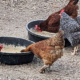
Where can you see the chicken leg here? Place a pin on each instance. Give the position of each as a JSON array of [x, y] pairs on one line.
[[75, 49], [46, 66]]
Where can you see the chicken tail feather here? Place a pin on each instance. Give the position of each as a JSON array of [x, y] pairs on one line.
[[76, 1], [27, 49]]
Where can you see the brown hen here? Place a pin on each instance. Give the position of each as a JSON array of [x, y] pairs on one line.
[[48, 50]]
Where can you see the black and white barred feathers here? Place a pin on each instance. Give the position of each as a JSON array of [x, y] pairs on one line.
[[71, 28]]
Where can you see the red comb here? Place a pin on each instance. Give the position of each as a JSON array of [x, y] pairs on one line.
[[38, 28], [61, 12], [1, 45]]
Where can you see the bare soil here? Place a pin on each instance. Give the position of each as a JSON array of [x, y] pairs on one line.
[[14, 15]]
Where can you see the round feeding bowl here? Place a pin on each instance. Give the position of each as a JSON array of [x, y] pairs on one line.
[[13, 58], [35, 37]]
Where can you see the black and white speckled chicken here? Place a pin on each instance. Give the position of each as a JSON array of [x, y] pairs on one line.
[[78, 19], [71, 30]]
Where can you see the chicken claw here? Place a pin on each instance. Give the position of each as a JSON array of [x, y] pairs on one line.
[[43, 68], [75, 49]]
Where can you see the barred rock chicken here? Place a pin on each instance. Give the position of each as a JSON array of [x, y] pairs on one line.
[[78, 19], [71, 30], [52, 23], [48, 50]]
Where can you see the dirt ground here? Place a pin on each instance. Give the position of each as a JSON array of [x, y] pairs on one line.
[[14, 15]]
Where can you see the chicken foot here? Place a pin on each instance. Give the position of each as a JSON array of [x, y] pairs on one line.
[[75, 49], [45, 67]]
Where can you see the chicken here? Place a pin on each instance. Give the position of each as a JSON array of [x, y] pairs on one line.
[[52, 23], [71, 31], [78, 19], [48, 50], [1, 46]]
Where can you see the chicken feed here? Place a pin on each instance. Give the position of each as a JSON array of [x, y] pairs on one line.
[[43, 33], [12, 48]]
